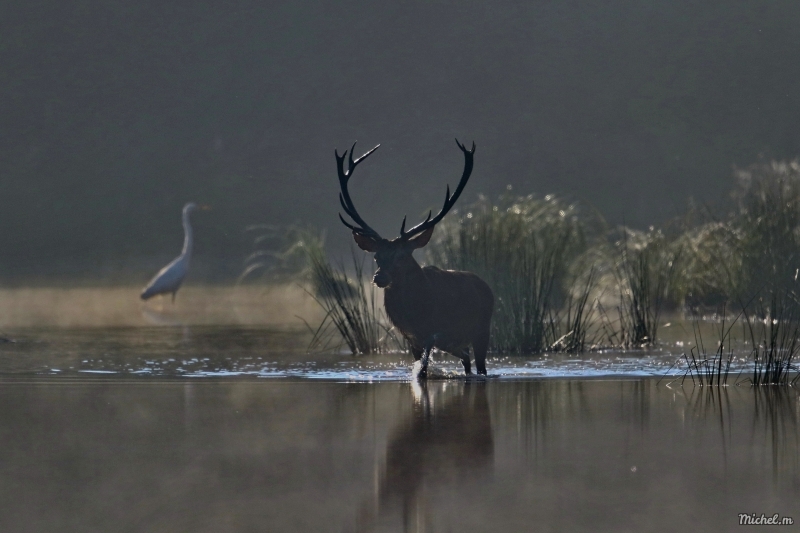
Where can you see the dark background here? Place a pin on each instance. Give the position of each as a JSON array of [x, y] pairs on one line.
[[114, 114]]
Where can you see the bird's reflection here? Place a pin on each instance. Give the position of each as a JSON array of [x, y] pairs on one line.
[[162, 318], [446, 442]]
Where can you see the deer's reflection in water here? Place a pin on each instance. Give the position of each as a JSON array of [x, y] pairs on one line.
[[445, 444]]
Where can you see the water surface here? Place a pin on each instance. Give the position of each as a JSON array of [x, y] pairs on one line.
[[83, 454], [200, 351], [239, 428]]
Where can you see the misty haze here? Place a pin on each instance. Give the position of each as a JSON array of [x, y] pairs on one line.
[[115, 115], [597, 329]]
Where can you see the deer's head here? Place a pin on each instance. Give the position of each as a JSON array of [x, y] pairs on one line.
[[393, 257]]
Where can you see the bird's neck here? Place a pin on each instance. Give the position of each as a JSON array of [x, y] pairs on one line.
[[187, 239]]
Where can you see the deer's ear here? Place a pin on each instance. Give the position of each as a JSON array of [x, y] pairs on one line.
[[422, 239], [368, 244]]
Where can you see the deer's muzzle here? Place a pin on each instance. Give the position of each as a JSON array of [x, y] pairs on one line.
[[381, 279]]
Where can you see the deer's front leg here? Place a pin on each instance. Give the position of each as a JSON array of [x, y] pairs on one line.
[[416, 351], [465, 361], [426, 355]]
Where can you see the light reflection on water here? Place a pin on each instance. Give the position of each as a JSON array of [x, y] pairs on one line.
[[304, 455], [228, 351]]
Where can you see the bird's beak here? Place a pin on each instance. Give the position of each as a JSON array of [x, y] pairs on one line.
[[205, 208]]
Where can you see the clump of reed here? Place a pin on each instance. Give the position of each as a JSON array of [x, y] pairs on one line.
[[528, 250], [773, 331], [351, 306], [749, 260], [280, 253], [768, 226], [644, 266], [708, 370], [353, 312], [773, 337], [710, 270], [753, 251]]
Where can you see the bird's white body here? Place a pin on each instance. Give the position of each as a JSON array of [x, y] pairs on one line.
[[169, 278]]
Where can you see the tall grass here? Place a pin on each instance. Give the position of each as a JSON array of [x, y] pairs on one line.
[[773, 328], [768, 225], [644, 268], [351, 304], [750, 260], [710, 273], [751, 252], [353, 313], [527, 249], [773, 334], [708, 370], [280, 253]]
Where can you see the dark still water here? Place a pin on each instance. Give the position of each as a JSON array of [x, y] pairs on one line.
[[153, 454]]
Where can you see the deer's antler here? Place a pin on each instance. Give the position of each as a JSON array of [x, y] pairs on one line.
[[362, 227], [449, 201]]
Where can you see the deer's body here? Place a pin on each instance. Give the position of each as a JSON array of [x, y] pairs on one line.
[[432, 308], [445, 309]]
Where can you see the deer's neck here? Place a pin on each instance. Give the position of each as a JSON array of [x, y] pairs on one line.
[[405, 298], [408, 276]]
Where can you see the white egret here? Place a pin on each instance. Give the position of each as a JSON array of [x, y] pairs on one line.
[[170, 277]]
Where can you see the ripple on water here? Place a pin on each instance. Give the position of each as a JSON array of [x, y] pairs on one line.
[[209, 352]]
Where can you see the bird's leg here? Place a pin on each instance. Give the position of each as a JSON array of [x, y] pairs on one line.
[[173, 296]]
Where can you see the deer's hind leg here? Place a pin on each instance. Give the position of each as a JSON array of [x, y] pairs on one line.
[[465, 361], [480, 346]]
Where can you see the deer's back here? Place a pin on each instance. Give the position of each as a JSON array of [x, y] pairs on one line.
[[454, 304]]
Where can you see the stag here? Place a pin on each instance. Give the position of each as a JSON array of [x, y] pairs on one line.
[[432, 308]]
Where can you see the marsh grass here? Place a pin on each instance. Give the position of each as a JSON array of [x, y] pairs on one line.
[[645, 273], [754, 250], [751, 260], [768, 225], [708, 370], [280, 253], [527, 249], [352, 307], [773, 330], [577, 317], [353, 315], [710, 272]]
